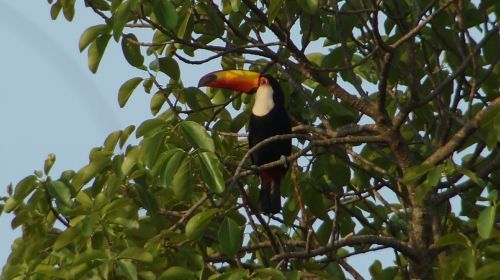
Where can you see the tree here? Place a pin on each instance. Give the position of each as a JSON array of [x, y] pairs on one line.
[[396, 114]]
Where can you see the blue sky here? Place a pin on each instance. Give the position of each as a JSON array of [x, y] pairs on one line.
[[51, 102]]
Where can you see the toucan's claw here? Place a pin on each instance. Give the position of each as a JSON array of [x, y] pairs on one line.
[[255, 169], [285, 161]]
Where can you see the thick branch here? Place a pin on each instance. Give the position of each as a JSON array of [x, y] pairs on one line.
[[459, 138], [322, 142], [351, 241]]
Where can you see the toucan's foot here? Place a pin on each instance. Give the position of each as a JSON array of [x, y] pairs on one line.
[[255, 169], [285, 161]]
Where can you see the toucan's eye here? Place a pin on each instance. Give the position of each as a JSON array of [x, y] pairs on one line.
[[263, 81]]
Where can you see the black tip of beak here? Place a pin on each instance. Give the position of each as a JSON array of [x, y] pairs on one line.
[[207, 79]]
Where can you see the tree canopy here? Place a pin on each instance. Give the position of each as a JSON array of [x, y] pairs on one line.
[[396, 112]]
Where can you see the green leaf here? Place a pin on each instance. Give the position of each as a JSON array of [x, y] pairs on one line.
[[11, 204], [434, 176], [60, 191], [309, 6], [149, 126], [157, 102], [173, 163], [170, 67], [177, 273], [240, 121], [120, 18], [55, 10], [155, 65], [90, 34], [25, 187], [150, 149], [126, 223], [270, 272], [126, 90], [128, 269], [136, 253], [293, 275], [165, 12], [211, 172], [49, 162], [491, 46], [125, 134], [233, 274], [196, 99], [183, 180], [130, 160], [450, 267], [487, 271], [496, 126], [486, 221], [230, 237], [86, 173], [274, 9], [100, 5], [69, 11], [111, 141], [493, 195], [181, 30], [197, 225], [338, 113], [421, 191], [67, 175], [132, 51], [89, 255], [331, 171], [490, 117], [316, 58], [415, 172], [84, 200], [376, 268], [454, 238], [67, 236], [135, 4], [197, 136], [469, 173], [147, 275], [21, 218], [147, 85], [235, 5], [96, 51], [468, 260], [431, 181]]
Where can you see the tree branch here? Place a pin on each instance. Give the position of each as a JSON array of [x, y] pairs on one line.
[[351, 241], [421, 25], [460, 136]]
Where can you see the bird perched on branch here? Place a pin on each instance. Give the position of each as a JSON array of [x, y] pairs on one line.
[[269, 118]]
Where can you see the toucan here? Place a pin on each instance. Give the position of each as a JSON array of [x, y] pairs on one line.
[[269, 117]]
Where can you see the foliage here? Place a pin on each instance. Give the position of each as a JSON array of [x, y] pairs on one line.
[[396, 113]]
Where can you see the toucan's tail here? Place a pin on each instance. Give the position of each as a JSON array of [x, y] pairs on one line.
[[270, 196]]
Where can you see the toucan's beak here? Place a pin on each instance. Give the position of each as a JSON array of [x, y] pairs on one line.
[[239, 80]]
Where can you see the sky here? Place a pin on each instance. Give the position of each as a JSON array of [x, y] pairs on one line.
[[51, 103]]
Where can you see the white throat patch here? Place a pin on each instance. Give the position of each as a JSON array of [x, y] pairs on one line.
[[264, 102]]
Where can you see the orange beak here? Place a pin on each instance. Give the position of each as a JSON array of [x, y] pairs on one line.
[[239, 80]]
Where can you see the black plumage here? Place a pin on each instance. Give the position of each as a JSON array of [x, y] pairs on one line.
[[276, 122]]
